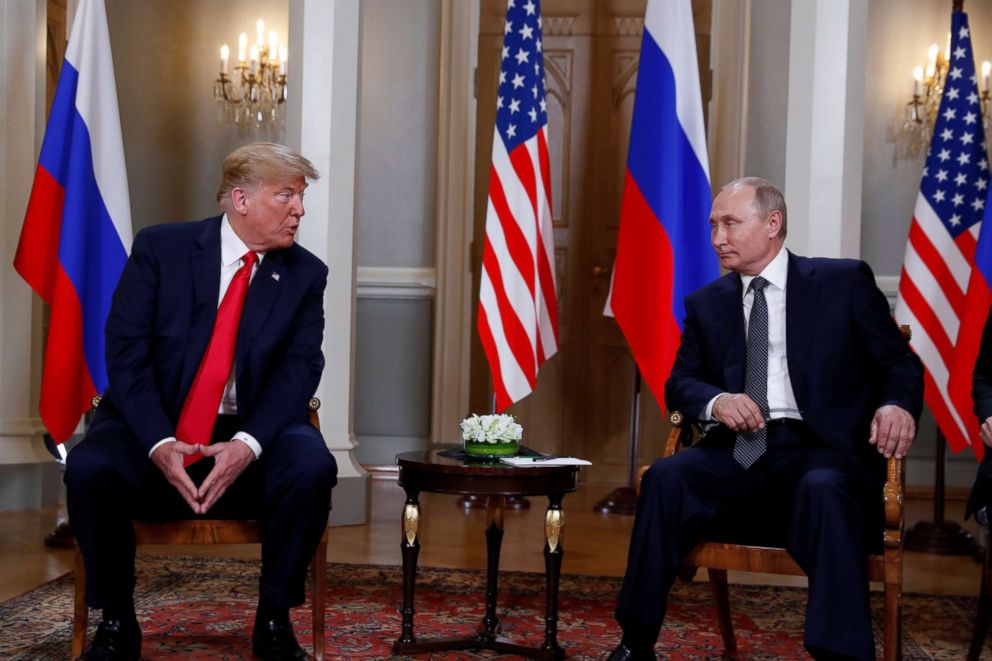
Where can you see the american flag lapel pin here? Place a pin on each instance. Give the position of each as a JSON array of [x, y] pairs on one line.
[[275, 276]]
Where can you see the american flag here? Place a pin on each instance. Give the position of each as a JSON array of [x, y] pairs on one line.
[[934, 294], [518, 321]]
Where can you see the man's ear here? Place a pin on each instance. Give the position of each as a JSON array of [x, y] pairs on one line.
[[774, 223], [239, 200]]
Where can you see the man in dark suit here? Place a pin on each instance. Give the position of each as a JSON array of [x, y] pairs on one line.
[[981, 493], [207, 368], [794, 368]]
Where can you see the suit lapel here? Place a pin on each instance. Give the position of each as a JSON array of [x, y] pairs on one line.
[[802, 294], [205, 274], [728, 313], [262, 295]]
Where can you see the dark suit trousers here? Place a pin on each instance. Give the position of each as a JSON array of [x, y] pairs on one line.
[[110, 482], [690, 496]]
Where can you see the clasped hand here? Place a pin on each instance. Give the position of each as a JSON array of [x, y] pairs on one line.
[[230, 460]]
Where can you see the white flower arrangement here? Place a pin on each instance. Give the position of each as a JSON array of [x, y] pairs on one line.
[[491, 429]]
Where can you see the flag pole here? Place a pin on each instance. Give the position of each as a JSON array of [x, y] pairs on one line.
[[940, 537], [623, 500]]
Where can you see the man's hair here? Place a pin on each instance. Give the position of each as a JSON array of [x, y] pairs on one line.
[[767, 198], [247, 167]]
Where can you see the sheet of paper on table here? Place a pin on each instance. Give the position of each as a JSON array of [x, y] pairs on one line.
[[525, 462]]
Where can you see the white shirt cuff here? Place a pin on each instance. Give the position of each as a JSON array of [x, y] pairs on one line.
[[250, 441], [170, 439]]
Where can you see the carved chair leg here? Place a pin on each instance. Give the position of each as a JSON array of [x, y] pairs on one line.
[[318, 577], [721, 601], [80, 614], [984, 613], [893, 622]]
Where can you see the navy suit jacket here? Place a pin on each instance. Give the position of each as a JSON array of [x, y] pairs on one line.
[[845, 353], [161, 319]]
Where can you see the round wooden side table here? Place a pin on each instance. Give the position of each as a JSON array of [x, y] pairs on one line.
[[431, 472]]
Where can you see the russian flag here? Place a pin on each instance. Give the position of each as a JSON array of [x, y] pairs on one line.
[[978, 302], [77, 228], [663, 248]]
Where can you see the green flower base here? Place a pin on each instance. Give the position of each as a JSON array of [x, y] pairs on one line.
[[491, 449]]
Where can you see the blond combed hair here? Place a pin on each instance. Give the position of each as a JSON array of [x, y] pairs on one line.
[[247, 167]]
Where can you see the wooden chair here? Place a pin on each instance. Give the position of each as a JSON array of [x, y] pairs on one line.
[[719, 558], [209, 531], [984, 613]]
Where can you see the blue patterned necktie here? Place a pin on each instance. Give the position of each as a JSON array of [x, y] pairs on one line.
[[749, 446]]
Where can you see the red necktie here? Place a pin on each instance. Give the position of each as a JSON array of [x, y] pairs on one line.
[[196, 422]]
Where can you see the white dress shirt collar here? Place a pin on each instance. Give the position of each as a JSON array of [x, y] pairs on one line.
[[776, 272], [232, 248]]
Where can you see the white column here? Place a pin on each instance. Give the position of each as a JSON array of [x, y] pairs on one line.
[[322, 123], [825, 133], [730, 52], [28, 475], [455, 181]]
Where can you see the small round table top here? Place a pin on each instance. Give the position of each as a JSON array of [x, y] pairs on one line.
[[432, 472]]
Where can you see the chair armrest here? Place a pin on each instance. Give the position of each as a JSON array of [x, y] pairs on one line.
[[312, 407], [680, 436], [892, 497]]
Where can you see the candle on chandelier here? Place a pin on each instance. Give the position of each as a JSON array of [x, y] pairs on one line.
[[260, 33], [243, 48], [273, 45], [932, 61], [225, 54], [254, 59], [917, 79], [986, 68], [283, 56]]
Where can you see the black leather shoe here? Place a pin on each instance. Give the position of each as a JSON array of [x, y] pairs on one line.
[[274, 640], [115, 641], [624, 653]]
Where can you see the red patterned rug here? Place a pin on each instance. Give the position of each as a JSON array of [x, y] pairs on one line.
[[202, 608]]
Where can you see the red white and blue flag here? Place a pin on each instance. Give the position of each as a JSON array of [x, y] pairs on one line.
[[77, 229], [663, 248], [942, 295], [518, 318]]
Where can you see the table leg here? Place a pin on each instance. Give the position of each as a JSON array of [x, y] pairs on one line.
[[554, 523], [494, 542], [410, 548]]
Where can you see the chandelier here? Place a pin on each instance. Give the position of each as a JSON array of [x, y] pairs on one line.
[[253, 93], [928, 88]]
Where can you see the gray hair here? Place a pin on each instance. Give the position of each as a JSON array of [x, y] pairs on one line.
[[767, 198], [247, 167]]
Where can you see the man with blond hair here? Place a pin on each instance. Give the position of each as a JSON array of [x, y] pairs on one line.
[[802, 383], [213, 349]]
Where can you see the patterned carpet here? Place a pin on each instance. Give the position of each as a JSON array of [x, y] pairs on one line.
[[203, 608]]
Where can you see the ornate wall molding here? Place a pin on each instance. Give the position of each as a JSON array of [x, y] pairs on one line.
[[396, 282], [628, 26], [558, 26]]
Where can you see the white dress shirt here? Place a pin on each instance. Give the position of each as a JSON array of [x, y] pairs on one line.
[[781, 399], [232, 252]]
